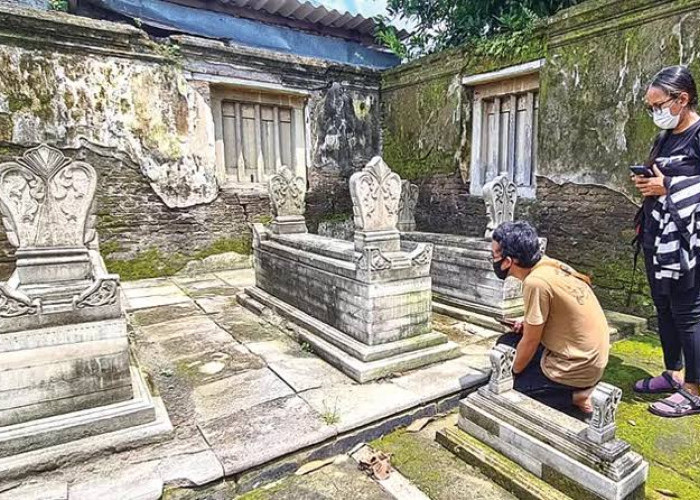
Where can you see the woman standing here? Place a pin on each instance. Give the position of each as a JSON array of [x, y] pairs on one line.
[[669, 236]]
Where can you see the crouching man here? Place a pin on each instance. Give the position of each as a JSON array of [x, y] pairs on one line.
[[562, 343]]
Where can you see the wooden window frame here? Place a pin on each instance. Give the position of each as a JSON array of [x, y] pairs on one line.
[[501, 87]]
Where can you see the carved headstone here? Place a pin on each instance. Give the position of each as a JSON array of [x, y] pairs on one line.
[[375, 193], [45, 200], [500, 196], [407, 207], [605, 399], [502, 357], [288, 198]]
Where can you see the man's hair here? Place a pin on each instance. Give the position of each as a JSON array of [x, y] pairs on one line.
[[518, 240]]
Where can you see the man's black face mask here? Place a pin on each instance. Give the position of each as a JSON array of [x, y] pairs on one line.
[[501, 273]]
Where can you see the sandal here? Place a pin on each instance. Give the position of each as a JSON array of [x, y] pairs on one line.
[[662, 384], [680, 404]]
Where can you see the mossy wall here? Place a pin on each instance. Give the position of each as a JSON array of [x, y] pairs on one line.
[[599, 57], [128, 104]]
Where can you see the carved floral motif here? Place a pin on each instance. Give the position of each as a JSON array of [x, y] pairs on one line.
[[500, 196], [375, 193], [287, 193], [102, 292], [372, 259], [422, 255], [12, 304], [45, 199]]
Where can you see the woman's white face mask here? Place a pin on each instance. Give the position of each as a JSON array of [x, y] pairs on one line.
[[665, 120]]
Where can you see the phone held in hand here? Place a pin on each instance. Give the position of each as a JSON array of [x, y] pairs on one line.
[[642, 170], [510, 323]]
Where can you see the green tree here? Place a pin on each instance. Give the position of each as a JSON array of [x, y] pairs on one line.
[[440, 24]]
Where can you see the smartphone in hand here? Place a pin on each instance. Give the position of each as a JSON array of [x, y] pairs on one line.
[[642, 170]]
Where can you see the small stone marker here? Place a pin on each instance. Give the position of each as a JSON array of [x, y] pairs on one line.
[[605, 399], [288, 195], [502, 358], [407, 207], [500, 196]]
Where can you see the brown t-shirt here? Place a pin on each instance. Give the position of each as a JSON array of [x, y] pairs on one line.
[[576, 335]]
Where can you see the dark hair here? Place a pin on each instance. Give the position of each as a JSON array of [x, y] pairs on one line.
[[674, 80], [519, 241]]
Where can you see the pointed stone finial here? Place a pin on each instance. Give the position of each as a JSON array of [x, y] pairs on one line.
[[502, 357], [500, 196], [407, 207], [605, 399], [375, 193], [288, 198]]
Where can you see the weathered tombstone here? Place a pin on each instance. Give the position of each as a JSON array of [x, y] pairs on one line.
[[288, 198], [464, 284], [364, 305], [581, 460], [407, 207], [500, 196], [64, 352]]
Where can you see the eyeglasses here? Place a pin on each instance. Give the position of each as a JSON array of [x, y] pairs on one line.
[[658, 107]]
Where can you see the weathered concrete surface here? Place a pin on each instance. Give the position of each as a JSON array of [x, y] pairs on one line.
[[241, 394]]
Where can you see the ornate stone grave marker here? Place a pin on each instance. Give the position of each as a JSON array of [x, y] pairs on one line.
[[407, 207], [64, 350], [288, 197], [500, 196]]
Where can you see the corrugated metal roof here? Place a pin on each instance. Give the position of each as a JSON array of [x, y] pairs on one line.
[[310, 13]]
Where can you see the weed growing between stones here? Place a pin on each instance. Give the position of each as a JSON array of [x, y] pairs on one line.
[[330, 415]]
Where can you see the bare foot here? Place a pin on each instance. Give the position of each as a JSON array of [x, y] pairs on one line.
[[582, 399]]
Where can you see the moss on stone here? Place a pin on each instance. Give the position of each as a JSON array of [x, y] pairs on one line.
[[672, 446], [153, 263]]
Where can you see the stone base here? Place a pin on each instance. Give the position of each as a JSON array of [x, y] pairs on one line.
[[386, 241], [459, 309], [60, 429], [289, 224], [359, 361], [553, 446]]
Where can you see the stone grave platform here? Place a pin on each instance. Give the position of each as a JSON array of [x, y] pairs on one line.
[[366, 304], [581, 460], [247, 401]]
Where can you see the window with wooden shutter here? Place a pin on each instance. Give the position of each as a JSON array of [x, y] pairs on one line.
[[504, 132], [257, 140], [258, 133]]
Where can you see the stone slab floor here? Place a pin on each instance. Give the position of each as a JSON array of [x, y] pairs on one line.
[[246, 401]]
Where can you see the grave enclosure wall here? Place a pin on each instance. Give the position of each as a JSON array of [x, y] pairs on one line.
[[599, 57], [143, 113]]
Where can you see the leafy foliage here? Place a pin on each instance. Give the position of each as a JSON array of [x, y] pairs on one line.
[[440, 24], [60, 5]]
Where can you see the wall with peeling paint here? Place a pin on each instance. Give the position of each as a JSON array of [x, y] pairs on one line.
[[592, 126], [141, 111]]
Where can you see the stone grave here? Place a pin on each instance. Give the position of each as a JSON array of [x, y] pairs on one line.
[[464, 284], [582, 460], [65, 369], [365, 306]]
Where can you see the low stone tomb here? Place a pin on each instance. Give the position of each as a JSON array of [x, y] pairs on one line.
[[365, 305], [582, 460], [464, 284], [65, 370]]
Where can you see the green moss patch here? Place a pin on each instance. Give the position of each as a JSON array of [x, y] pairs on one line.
[[672, 446], [152, 263]]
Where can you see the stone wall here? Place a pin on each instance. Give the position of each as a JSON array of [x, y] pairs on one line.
[[592, 126], [140, 110]]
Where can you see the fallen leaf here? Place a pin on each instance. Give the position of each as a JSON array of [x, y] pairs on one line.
[[312, 466], [632, 423], [418, 424], [667, 493]]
